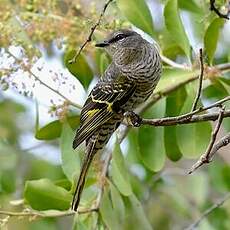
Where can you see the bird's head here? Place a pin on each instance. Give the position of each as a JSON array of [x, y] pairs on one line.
[[122, 41]]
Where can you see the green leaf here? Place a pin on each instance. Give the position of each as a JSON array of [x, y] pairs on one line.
[[211, 37], [133, 150], [119, 172], [53, 129], [85, 222], [218, 173], [107, 212], [174, 104], [192, 138], [215, 91], [151, 140], [172, 76], [226, 175], [64, 183], [8, 157], [197, 186], [70, 157], [118, 204], [136, 218], [43, 223], [175, 27], [49, 131], [102, 61], [225, 80], [80, 69], [43, 194], [8, 181], [190, 6], [138, 13]]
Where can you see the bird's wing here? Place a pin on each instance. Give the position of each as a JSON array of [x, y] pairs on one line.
[[99, 107]]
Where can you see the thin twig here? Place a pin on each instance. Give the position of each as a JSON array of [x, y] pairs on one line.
[[208, 211], [200, 81], [43, 83], [206, 157], [174, 64], [46, 214], [221, 15], [221, 143], [93, 28]]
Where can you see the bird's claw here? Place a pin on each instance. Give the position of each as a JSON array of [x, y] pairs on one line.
[[132, 118]]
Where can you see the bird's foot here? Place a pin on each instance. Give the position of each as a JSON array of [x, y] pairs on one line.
[[132, 119]]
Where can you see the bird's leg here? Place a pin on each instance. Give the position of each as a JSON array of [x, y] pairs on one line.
[[132, 118]]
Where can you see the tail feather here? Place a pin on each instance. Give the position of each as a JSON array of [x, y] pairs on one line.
[[84, 170]]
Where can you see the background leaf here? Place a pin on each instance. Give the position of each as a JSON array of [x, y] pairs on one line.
[[43, 195], [136, 217], [211, 37], [107, 212], [137, 12], [175, 27], [118, 204], [119, 172], [191, 6], [151, 140], [192, 138], [172, 76], [80, 69], [174, 104], [53, 129], [70, 157]]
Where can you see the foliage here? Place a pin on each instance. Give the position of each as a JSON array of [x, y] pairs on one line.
[[146, 186]]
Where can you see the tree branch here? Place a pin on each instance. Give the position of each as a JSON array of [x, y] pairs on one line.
[[221, 15], [170, 121], [89, 39], [207, 157], [208, 211], [200, 81]]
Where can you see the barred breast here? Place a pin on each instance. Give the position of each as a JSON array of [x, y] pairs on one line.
[[145, 71]]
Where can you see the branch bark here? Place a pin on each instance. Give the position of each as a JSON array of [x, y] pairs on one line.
[[170, 121], [200, 81]]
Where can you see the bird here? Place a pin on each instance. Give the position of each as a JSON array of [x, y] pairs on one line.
[[127, 82]]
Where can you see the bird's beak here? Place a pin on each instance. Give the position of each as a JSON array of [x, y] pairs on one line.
[[102, 44]]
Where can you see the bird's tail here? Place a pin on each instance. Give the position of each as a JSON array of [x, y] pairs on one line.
[[84, 170]]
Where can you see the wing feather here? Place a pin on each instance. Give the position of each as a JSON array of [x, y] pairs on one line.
[[98, 108]]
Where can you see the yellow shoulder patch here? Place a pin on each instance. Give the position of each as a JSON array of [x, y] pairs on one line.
[[90, 113], [109, 104]]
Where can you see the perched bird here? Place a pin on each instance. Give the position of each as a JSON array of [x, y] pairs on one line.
[[127, 82]]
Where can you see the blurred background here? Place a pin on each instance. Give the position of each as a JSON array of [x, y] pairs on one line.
[[41, 95]]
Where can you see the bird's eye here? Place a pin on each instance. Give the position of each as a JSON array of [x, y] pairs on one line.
[[119, 37]]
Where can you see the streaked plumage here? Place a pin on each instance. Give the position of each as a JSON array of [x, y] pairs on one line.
[[128, 81]]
